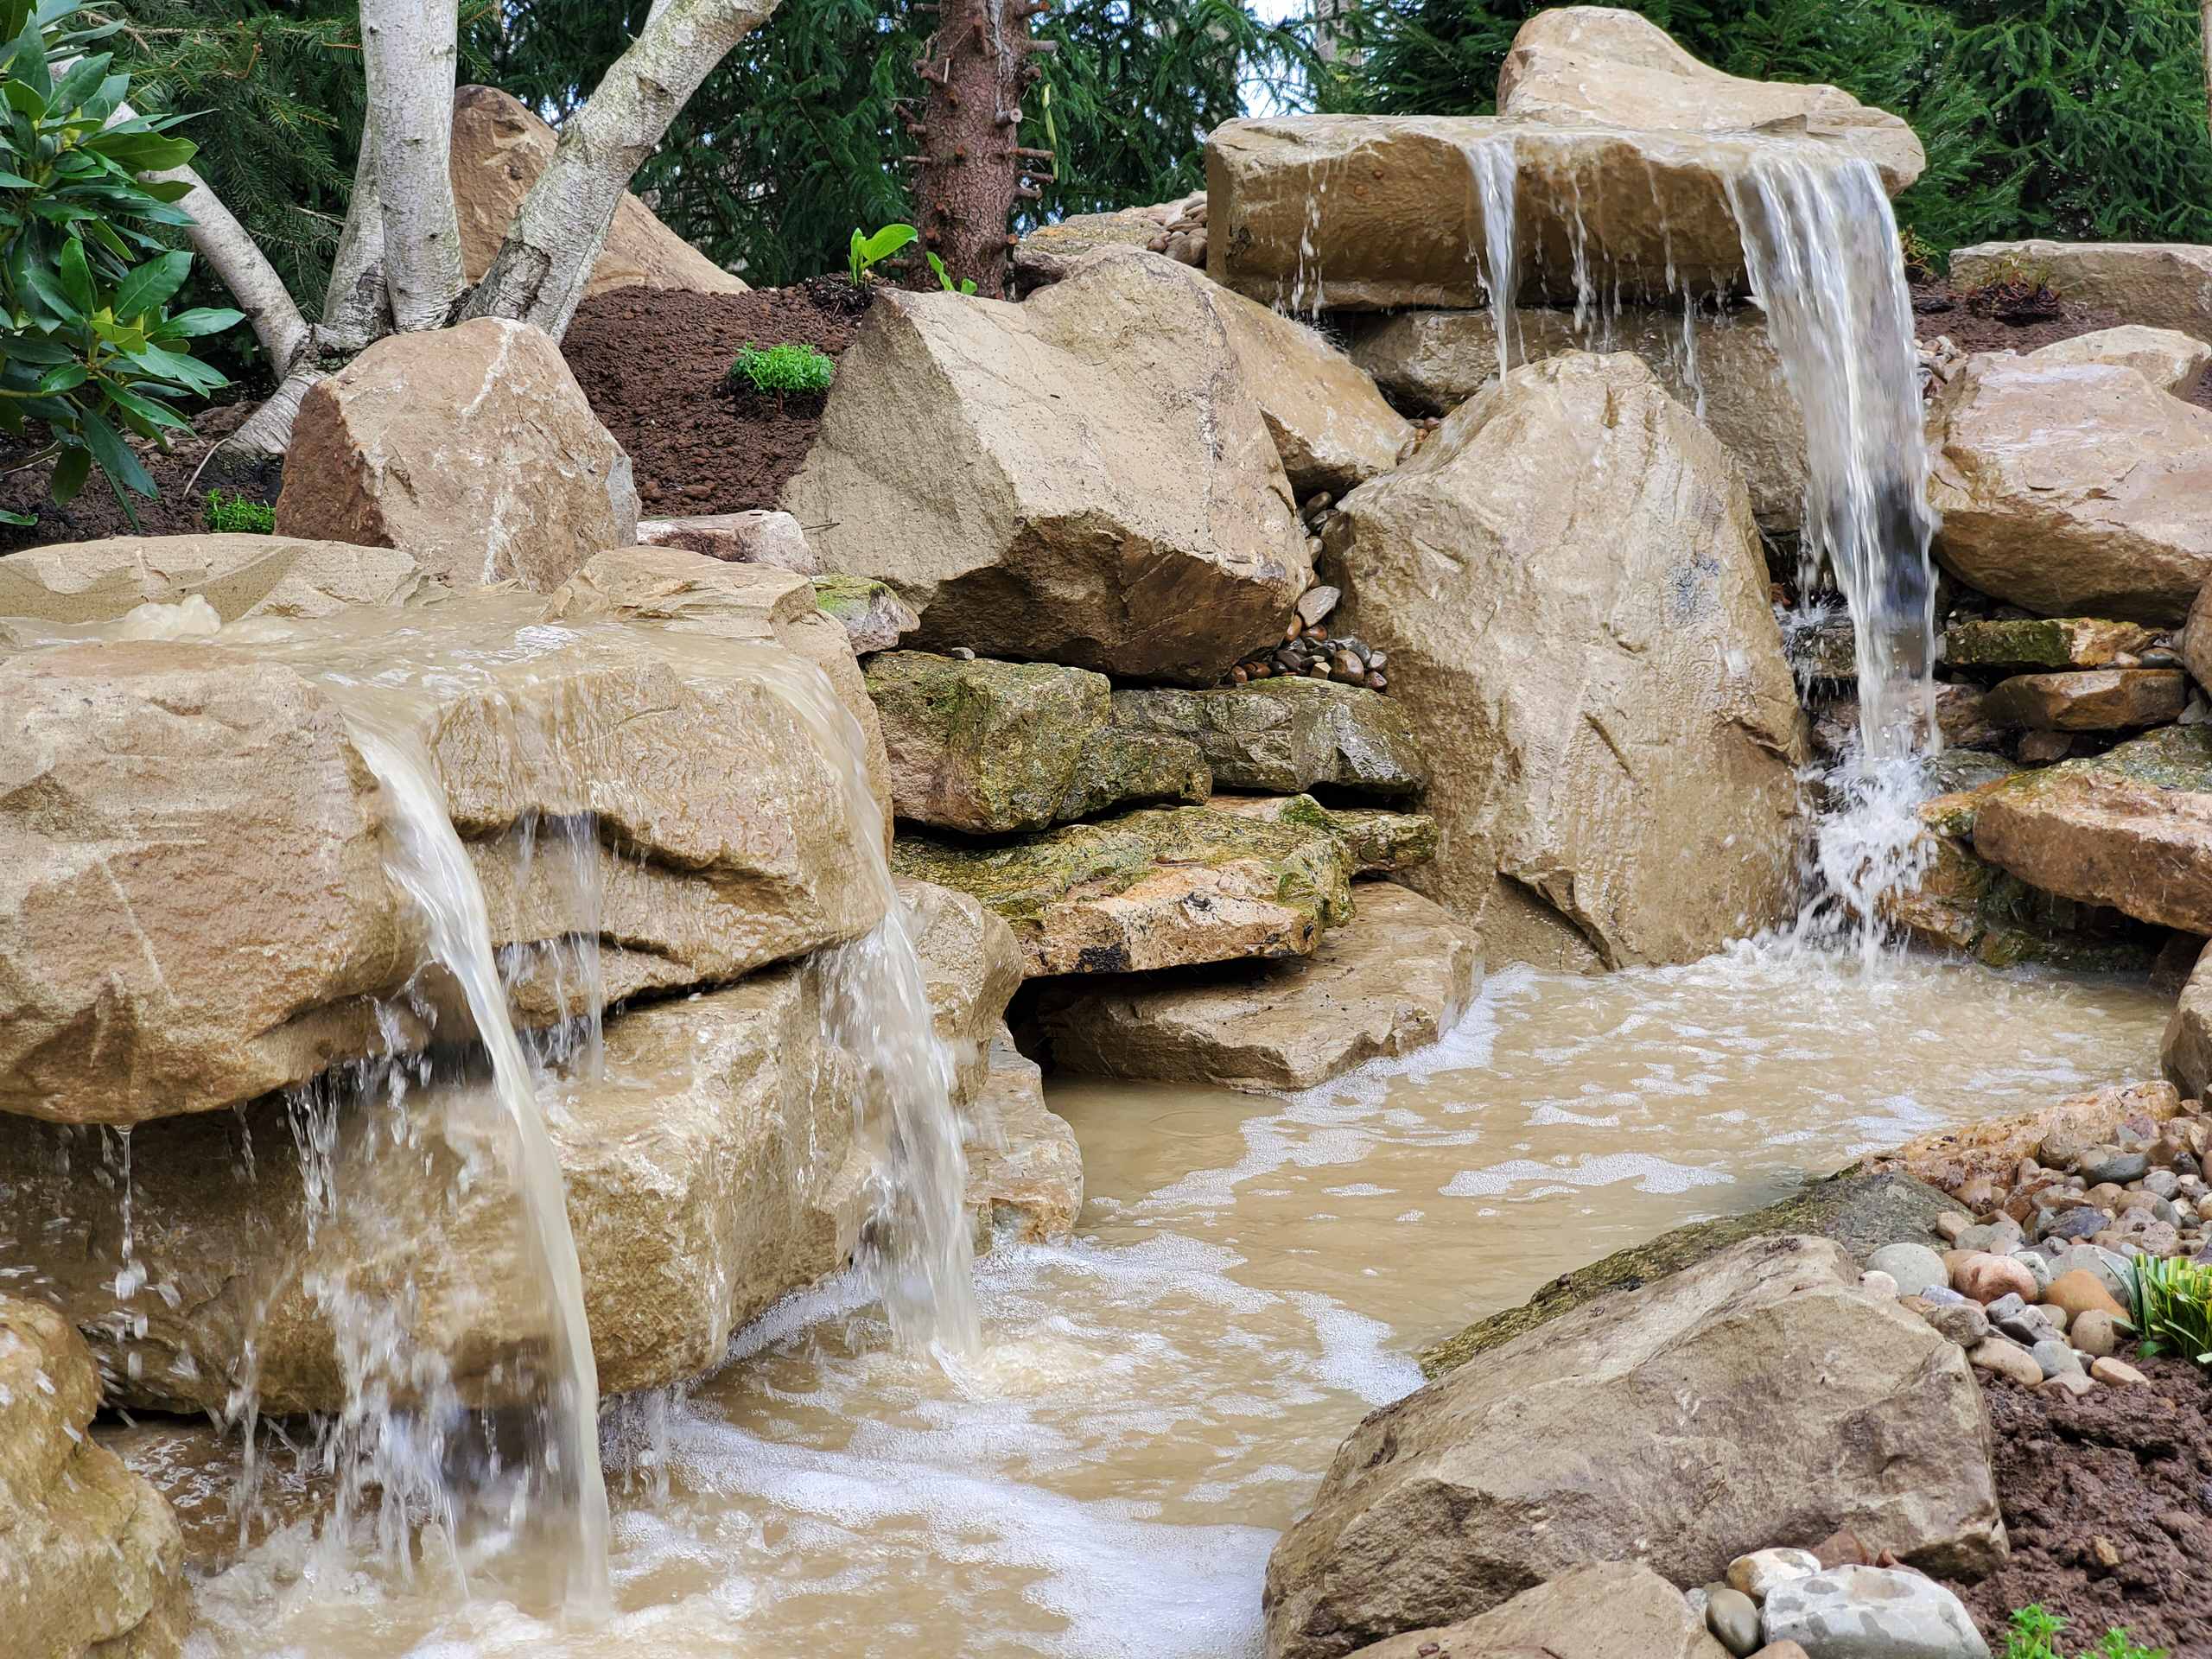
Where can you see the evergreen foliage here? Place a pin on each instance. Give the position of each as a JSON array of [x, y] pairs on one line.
[[2080, 119]]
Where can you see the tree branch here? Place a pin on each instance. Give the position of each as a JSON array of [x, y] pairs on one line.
[[409, 49]]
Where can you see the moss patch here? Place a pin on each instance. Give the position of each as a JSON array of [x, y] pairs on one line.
[[1859, 1210]]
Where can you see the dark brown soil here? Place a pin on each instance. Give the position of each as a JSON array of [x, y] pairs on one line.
[[175, 510], [2108, 1502], [1940, 309], [656, 368]]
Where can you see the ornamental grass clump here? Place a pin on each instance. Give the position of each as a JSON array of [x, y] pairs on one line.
[[2173, 1307], [778, 370]]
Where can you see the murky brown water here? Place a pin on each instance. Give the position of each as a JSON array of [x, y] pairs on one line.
[[1158, 1398]]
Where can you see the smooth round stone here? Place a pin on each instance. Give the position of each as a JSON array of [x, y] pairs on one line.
[[2117, 1372], [1914, 1267], [1998, 1236], [2002, 1356], [1873, 1613], [2055, 1358], [1986, 1278], [2057, 1316], [2083, 1220], [2102, 1164], [2162, 1183], [1733, 1618], [2095, 1333], [2037, 1266], [2079, 1291], [1878, 1284], [1962, 1321], [1757, 1574]]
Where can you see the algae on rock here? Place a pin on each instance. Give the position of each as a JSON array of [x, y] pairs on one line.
[[1287, 735]]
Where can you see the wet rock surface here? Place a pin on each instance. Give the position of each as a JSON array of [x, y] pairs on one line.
[[1379, 842], [1393, 979], [1287, 735], [1606, 1610]]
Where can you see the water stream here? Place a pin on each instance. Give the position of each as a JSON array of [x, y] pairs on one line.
[[1152, 1402]]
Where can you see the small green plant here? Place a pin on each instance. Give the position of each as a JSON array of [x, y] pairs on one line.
[[944, 277], [89, 350], [2016, 292], [869, 251], [2173, 1307], [789, 368], [229, 513], [2034, 1635]]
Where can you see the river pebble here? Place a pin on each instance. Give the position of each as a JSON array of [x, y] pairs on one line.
[[1733, 1620], [1873, 1613], [1914, 1267], [1757, 1574]]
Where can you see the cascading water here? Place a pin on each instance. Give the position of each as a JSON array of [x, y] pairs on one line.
[[1822, 245], [1493, 171]]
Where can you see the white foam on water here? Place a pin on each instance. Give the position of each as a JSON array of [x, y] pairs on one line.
[[1649, 1174]]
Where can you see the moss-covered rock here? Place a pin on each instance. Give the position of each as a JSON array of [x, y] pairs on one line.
[[1287, 735], [1151, 889], [1381, 842], [869, 611], [1859, 1210], [989, 747], [2042, 642]]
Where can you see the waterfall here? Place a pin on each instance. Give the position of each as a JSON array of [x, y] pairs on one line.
[[1493, 170], [427, 862], [1821, 243]]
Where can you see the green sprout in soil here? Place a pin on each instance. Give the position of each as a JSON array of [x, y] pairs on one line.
[[2173, 1307], [868, 251], [2034, 1635], [229, 513], [781, 369]]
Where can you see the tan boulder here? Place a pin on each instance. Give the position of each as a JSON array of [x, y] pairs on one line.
[[471, 448], [1379, 841], [1161, 889], [679, 591], [1365, 213], [1122, 506], [2161, 284], [1571, 593], [2089, 700], [92, 1563], [1025, 1170], [2130, 828], [2185, 1051], [194, 903], [1287, 735], [500, 147], [2169, 360], [1573, 1443], [1573, 64], [80, 584], [971, 967], [1394, 979], [1602, 1610], [755, 537], [1726, 372], [2072, 490]]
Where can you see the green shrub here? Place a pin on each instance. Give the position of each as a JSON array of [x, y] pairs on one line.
[[785, 368], [89, 350], [2034, 1635], [232, 514], [2173, 1307]]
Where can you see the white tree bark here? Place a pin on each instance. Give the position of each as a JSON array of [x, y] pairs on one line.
[[409, 50], [539, 273], [219, 238], [355, 306]]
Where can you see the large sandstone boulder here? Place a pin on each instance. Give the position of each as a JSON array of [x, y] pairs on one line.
[[471, 448], [2185, 1051], [92, 1563], [1570, 64], [1725, 371], [1394, 979], [1287, 735], [81, 584], [1164, 888], [2072, 490], [987, 747], [751, 538], [971, 967], [2162, 284], [210, 806], [2130, 828], [1757, 1398], [1025, 1170], [1571, 593], [1121, 505], [499, 149], [2169, 360], [1604, 1610], [1378, 842], [1365, 213]]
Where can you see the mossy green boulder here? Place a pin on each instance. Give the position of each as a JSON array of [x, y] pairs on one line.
[[992, 748], [1287, 735], [2042, 642], [1382, 843], [1161, 889]]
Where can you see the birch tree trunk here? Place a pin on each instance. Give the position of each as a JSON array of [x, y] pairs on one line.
[[409, 50], [538, 275], [218, 238]]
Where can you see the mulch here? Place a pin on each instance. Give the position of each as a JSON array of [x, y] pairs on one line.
[[1940, 309], [655, 365], [2107, 1500], [176, 510]]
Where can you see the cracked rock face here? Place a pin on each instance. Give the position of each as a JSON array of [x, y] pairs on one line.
[[1569, 584], [471, 448]]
